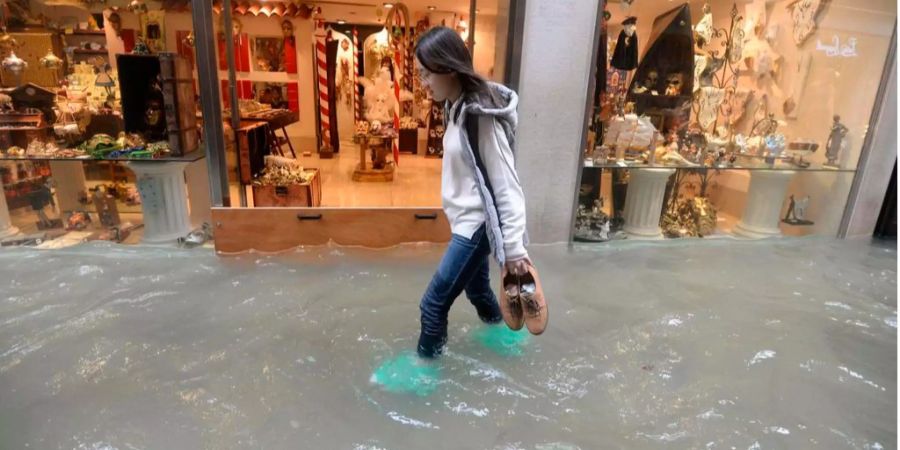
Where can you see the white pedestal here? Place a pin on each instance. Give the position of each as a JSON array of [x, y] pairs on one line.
[[643, 202], [164, 200], [764, 200], [197, 178], [70, 181], [6, 227]]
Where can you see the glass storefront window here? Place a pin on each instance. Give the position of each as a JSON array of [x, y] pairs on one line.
[[98, 124], [730, 119], [340, 91]]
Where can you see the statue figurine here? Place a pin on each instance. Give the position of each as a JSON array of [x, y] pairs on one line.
[[625, 55], [835, 141]]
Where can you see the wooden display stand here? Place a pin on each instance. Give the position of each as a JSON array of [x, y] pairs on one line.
[[380, 170], [252, 145], [309, 194], [136, 75], [21, 127]]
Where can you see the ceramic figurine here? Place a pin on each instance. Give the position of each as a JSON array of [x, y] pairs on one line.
[[836, 141]]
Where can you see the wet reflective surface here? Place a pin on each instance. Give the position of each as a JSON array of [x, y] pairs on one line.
[[701, 344]]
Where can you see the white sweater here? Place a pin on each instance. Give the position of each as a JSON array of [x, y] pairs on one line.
[[459, 188]]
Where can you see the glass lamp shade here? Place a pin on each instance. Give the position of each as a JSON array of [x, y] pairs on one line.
[[14, 64], [51, 61]]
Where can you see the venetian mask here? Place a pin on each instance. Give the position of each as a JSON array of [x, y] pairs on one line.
[[137, 7], [803, 14], [629, 30], [345, 45], [14, 64], [652, 79], [153, 115], [673, 84]]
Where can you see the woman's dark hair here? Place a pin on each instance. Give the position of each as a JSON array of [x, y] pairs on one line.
[[441, 50]]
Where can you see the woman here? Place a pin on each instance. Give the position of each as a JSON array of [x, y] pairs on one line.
[[481, 195]]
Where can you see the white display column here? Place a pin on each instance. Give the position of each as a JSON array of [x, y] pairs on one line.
[[762, 214], [6, 227], [643, 202], [197, 179], [163, 199], [69, 180]]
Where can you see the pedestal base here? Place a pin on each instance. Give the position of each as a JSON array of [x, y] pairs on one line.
[[8, 231], [6, 227], [643, 202], [765, 197], [164, 200], [374, 175]]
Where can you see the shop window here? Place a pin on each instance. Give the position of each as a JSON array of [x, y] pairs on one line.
[[98, 123], [741, 119]]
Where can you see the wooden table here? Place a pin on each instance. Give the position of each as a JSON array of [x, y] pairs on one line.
[[380, 170], [277, 120]]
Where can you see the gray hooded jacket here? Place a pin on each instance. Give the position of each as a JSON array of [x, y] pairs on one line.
[[497, 209]]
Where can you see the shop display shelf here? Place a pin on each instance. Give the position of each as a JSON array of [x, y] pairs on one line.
[[736, 167], [84, 51], [190, 157]]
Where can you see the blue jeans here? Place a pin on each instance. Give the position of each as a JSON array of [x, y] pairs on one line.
[[464, 267]]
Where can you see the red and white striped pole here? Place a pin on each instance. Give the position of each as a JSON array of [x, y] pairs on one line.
[[357, 105], [397, 73], [322, 72]]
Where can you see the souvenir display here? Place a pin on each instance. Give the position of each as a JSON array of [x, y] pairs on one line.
[[801, 149], [695, 217], [710, 98], [796, 212], [593, 224], [283, 176], [803, 14]]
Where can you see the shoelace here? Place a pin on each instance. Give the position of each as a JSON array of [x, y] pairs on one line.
[[532, 307]]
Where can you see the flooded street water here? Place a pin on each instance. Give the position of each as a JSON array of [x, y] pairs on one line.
[[704, 344]]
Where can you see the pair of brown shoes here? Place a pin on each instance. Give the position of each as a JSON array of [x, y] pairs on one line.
[[522, 301]]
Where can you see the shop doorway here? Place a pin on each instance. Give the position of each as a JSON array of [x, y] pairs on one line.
[[364, 153]]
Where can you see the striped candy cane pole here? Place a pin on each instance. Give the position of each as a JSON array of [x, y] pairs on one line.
[[397, 109], [357, 105], [322, 70]]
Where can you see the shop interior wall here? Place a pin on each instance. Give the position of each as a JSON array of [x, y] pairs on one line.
[[305, 129], [501, 38], [846, 86]]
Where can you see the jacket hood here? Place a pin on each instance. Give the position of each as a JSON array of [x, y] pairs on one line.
[[507, 110]]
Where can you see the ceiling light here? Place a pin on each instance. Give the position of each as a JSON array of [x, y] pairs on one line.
[[388, 5], [341, 21], [432, 8]]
